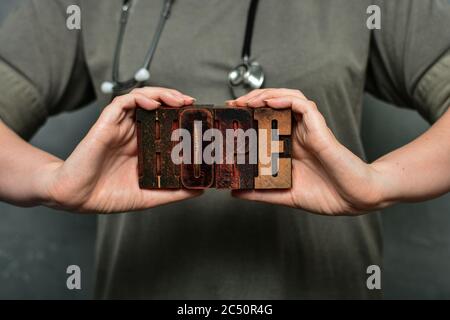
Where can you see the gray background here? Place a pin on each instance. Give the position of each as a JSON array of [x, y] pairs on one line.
[[37, 244]]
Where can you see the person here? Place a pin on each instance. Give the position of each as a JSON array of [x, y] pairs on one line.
[[213, 245]]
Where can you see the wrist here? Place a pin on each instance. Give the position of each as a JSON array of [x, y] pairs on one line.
[[383, 181], [43, 183]]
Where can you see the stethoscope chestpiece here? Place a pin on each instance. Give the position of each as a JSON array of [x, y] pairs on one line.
[[247, 76]]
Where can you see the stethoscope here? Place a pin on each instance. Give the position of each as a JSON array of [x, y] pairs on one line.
[[249, 74], [246, 76]]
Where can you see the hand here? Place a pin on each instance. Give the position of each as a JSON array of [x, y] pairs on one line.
[[327, 178], [101, 174]]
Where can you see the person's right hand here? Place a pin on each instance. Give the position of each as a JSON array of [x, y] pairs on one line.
[[101, 174]]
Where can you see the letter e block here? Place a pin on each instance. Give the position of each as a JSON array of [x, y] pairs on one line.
[[274, 153]]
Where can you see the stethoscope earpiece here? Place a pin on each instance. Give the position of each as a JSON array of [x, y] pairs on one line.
[[246, 76], [142, 75], [107, 87]]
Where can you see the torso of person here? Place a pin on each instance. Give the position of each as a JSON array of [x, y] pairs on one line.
[[216, 246]]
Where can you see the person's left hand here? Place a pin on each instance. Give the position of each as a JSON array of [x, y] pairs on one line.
[[327, 178]]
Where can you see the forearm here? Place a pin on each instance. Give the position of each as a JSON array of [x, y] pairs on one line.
[[421, 169], [23, 170]]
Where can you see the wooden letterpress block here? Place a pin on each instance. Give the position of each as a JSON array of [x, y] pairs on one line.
[[154, 131], [272, 175], [236, 175], [197, 174]]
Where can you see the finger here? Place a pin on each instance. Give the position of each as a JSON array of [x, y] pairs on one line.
[[298, 105], [242, 101], [316, 132], [115, 111], [279, 197], [178, 93], [235, 103], [167, 96], [230, 103], [170, 97], [259, 100], [145, 102], [188, 100], [141, 102], [256, 97]]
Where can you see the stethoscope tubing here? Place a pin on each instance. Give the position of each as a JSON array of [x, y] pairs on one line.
[[132, 82], [250, 72]]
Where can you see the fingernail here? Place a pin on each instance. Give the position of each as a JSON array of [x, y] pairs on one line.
[[177, 96]]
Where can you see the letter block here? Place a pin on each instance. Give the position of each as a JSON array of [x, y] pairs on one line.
[[155, 166], [197, 174], [236, 175], [274, 166], [225, 148]]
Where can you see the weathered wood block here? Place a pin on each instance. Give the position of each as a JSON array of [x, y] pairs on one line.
[[240, 149], [154, 131], [238, 173], [197, 174], [274, 166]]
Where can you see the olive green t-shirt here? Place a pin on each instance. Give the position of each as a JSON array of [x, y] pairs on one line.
[[216, 246]]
